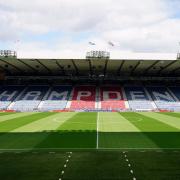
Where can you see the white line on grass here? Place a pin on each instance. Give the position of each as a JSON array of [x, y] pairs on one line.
[[51, 152], [120, 149], [65, 166], [129, 165], [97, 129]]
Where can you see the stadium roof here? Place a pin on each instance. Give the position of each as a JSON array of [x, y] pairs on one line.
[[138, 66], [114, 55]]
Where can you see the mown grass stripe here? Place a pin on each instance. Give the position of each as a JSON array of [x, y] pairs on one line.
[[163, 135], [79, 131], [127, 136], [30, 135], [172, 114], [7, 113], [161, 117], [114, 122], [147, 123], [12, 124], [16, 115], [46, 124], [80, 121]]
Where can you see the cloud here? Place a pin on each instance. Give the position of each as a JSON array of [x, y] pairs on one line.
[[133, 26]]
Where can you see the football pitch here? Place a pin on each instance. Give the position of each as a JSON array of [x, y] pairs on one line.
[[96, 130], [96, 145]]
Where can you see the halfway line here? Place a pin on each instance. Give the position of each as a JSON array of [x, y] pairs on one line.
[[97, 138]]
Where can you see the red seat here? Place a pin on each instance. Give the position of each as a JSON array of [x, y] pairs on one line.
[[112, 98], [84, 97]]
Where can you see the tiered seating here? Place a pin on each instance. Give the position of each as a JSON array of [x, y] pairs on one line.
[[8, 95], [57, 98], [83, 97], [30, 99], [45, 98], [138, 99], [111, 98], [175, 91], [163, 99]]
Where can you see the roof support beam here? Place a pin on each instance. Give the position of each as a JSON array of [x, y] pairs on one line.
[[90, 67], [105, 67], [165, 67], [76, 68], [61, 67], [27, 65], [135, 67], [120, 67], [44, 66], [151, 66], [17, 68]]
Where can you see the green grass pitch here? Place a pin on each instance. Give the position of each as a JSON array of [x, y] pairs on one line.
[[35, 145]]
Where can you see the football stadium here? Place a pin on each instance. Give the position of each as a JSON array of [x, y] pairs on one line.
[[91, 118], [89, 90]]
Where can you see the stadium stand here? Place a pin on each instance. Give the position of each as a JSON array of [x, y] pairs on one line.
[[56, 99], [164, 99], [8, 94], [30, 99], [175, 91], [83, 97], [111, 98], [138, 98], [94, 82]]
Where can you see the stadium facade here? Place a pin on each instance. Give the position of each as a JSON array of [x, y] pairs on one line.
[[95, 83]]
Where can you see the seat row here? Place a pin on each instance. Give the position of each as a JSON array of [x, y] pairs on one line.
[[112, 97]]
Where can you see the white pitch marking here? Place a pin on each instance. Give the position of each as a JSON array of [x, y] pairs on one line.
[[131, 171], [97, 129], [56, 120], [51, 152], [137, 120], [159, 151], [65, 165], [37, 149], [17, 152], [176, 151]]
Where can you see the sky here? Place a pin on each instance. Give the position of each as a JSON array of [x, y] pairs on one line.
[[63, 28]]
